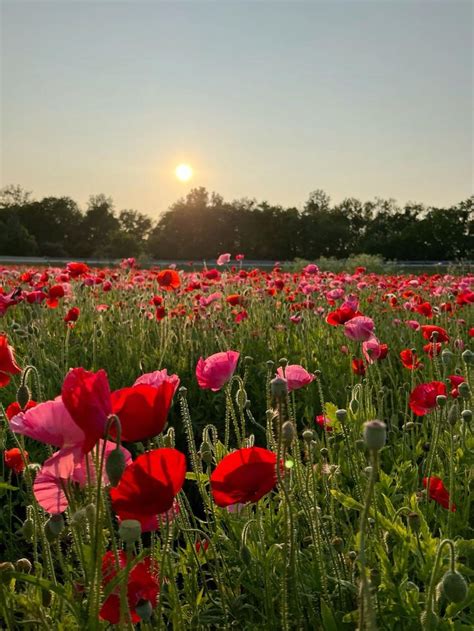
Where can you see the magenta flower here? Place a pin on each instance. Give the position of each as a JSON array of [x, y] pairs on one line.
[[372, 349], [296, 376], [212, 373], [359, 329], [158, 377]]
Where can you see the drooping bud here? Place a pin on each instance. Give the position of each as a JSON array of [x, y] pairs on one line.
[[414, 521], [441, 400], [24, 566], [270, 363], [354, 406], [241, 398], [466, 416], [468, 357], [375, 435], [375, 577], [115, 466], [341, 415], [447, 357], [130, 530], [283, 362], [279, 388], [23, 396], [206, 452], [288, 432], [429, 620], [464, 390], [453, 414], [54, 526], [245, 555], [454, 586], [308, 435], [28, 528], [144, 609]]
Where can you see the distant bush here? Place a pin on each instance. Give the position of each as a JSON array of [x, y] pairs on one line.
[[371, 262]]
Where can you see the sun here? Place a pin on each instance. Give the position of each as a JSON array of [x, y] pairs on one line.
[[184, 172]]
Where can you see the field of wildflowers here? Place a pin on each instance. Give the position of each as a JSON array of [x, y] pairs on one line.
[[235, 449]]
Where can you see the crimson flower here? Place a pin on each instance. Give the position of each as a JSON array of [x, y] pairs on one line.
[[341, 315], [8, 365], [72, 315], [428, 330], [143, 585], [142, 409], [14, 408], [77, 269], [423, 397], [13, 459], [324, 422], [438, 492], [432, 349], [358, 367], [234, 299], [455, 380], [149, 485], [86, 396], [245, 475], [168, 279], [409, 359]]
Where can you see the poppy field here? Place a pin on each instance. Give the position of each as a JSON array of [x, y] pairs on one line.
[[233, 448]]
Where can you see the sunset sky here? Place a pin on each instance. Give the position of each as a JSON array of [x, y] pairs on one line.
[[262, 99]]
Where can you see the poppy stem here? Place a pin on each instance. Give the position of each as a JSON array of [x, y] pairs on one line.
[[366, 613]]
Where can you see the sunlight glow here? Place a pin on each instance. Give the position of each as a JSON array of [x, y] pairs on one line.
[[184, 172]]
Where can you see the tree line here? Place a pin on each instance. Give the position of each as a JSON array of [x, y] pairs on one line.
[[203, 224]]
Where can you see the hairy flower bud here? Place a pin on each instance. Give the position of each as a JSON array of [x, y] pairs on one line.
[[466, 416], [23, 565], [279, 388], [447, 357], [144, 609], [241, 398], [115, 466], [464, 390], [414, 521], [454, 586], [308, 435], [453, 414], [375, 435], [288, 432], [23, 396], [53, 527], [130, 530], [206, 452], [338, 544], [468, 357], [441, 400], [28, 528], [341, 415]]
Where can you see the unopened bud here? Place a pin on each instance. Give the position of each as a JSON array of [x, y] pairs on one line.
[[130, 530], [270, 363], [338, 544], [206, 452], [279, 388], [414, 521], [375, 577], [447, 357], [441, 400], [360, 444], [23, 396], [288, 432], [354, 406], [28, 529], [341, 415], [464, 390], [23, 565], [429, 620], [53, 527], [454, 586], [308, 435], [283, 362], [245, 555], [375, 435], [324, 452], [144, 610], [241, 398], [408, 426], [466, 416], [468, 357], [453, 414], [115, 466], [352, 554]]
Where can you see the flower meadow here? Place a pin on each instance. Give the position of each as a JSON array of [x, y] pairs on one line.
[[235, 448]]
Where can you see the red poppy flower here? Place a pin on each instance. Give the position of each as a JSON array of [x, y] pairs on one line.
[[149, 485], [142, 410], [86, 396], [423, 397], [8, 365], [324, 422], [55, 292], [243, 476], [341, 315], [168, 279], [471, 332], [410, 359], [77, 269], [234, 299], [428, 330], [14, 408], [72, 315], [143, 585], [433, 349], [438, 492], [455, 380], [383, 351], [358, 367], [425, 309], [13, 459]]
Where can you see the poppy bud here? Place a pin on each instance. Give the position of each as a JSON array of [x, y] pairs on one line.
[[414, 521], [79, 518], [288, 432], [341, 415], [46, 597], [168, 439], [324, 452], [144, 609], [6, 566], [338, 544], [279, 388], [248, 360], [409, 425], [53, 527], [447, 357], [441, 400], [466, 416], [248, 404], [283, 362], [308, 435], [23, 565], [354, 406], [270, 364], [375, 435], [360, 444], [28, 529], [90, 512], [464, 390], [245, 555], [468, 357], [206, 452], [352, 554], [241, 398], [115, 466], [453, 414], [130, 530], [183, 390], [454, 586], [429, 620], [23, 396], [317, 373]]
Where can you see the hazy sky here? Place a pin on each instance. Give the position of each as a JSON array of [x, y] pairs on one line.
[[264, 99]]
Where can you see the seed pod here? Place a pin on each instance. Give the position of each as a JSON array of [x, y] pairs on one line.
[[279, 388], [464, 390], [115, 466], [53, 527], [441, 400], [468, 357], [130, 530], [454, 586], [466, 416], [308, 435], [447, 357], [375, 435], [341, 415], [288, 432]]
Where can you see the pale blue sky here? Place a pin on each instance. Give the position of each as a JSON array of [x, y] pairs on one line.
[[264, 99]]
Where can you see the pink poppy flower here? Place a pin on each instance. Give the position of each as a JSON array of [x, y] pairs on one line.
[[296, 376], [158, 377], [359, 329], [68, 465], [212, 373], [372, 349], [223, 259], [413, 324]]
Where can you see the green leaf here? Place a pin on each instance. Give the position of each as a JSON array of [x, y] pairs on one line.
[[329, 622], [4, 486], [346, 500]]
